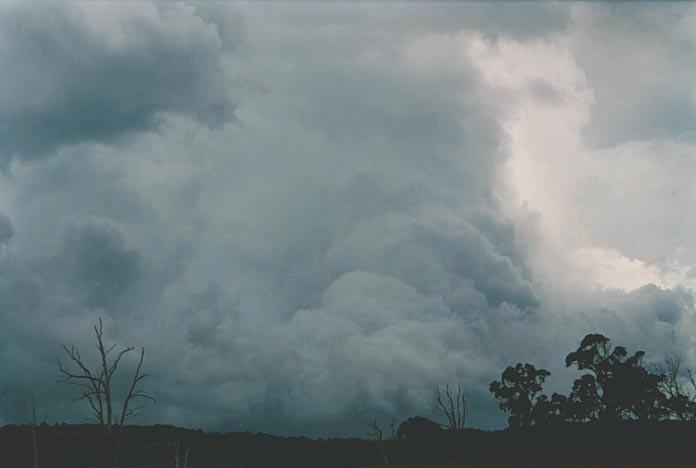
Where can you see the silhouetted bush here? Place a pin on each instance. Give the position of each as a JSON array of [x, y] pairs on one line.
[[418, 428]]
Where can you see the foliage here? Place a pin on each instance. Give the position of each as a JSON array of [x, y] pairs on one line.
[[614, 386], [418, 427], [617, 386], [517, 393]]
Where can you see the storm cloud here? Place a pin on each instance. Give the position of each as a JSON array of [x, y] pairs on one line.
[[312, 214], [100, 72]]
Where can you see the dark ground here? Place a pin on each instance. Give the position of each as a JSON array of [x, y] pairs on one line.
[[621, 445]]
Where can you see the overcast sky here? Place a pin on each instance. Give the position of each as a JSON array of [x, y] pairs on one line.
[[314, 213]]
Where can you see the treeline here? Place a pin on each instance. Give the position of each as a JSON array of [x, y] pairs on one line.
[[623, 444], [614, 386], [617, 402]]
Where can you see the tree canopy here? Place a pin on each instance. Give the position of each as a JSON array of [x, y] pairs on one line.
[[614, 385]]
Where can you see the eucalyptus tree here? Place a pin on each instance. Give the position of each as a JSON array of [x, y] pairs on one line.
[[519, 393]]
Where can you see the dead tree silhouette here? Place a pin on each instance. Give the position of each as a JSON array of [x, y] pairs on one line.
[[96, 388], [376, 433], [452, 404]]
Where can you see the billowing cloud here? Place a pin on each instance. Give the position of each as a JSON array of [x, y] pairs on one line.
[[96, 73], [406, 196]]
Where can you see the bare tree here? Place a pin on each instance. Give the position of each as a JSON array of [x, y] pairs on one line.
[[452, 404], [96, 386], [680, 386], [377, 435]]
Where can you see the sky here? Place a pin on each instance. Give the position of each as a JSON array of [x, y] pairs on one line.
[[310, 214]]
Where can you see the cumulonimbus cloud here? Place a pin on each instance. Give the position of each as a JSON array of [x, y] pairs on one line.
[[344, 248]]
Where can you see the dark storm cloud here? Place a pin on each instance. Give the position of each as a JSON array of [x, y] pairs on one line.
[[97, 260], [90, 269], [67, 79], [335, 256], [654, 307]]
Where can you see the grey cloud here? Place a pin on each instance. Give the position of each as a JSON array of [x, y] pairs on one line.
[[211, 319], [651, 306], [517, 20], [333, 257], [98, 261], [355, 254], [6, 231], [653, 198], [545, 91], [439, 259], [67, 81], [89, 269], [344, 231], [520, 20], [633, 56]]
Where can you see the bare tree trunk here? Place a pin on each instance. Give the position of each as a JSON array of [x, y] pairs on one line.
[[97, 392], [377, 435], [115, 446], [126, 412]]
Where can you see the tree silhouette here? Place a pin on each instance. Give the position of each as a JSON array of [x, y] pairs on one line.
[[584, 401], [617, 386], [32, 423], [452, 403], [418, 427], [518, 392], [554, 410], [376, 433], [96, 386], [679, 387]]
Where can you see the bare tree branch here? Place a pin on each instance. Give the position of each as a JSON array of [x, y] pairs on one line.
[[377, 435], [93, 382], [133, 391], [679, 386], [451, 404], [96, 385]]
